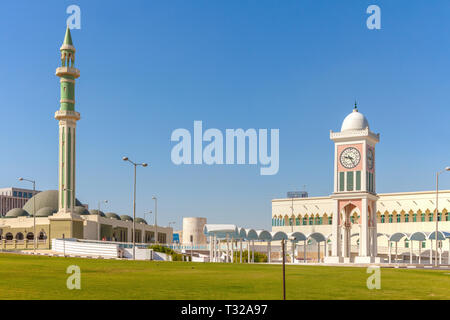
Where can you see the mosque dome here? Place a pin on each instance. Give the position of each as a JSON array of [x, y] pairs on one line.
[[112, 215], [45, 212], [82, 211], [16, 212], [97, 213], [355, 121], [140, 220], [124, 217], [44, 199]]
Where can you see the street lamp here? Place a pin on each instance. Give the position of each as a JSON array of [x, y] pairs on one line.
[[437, 213], [156, 222], [101, 201], [145, 214], [134, 201], [34, 210], [171, 223]]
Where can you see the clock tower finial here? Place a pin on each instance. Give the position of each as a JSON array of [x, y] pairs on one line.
[[355, 109]]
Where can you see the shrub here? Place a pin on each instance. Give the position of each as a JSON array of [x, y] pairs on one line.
[[259, 257]]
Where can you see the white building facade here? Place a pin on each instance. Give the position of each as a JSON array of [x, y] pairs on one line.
[[366, 219]]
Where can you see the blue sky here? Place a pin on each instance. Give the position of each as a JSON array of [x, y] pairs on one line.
[[150, 67]]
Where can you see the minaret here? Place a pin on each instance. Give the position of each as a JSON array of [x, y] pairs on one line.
[[67, 117]]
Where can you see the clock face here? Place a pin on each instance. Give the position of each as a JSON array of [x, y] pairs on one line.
[[350, 157], [370, 159]]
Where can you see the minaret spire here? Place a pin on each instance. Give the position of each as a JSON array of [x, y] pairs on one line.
[[68, 118]]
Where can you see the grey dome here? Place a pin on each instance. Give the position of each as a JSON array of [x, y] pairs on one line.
[[45, 212], [44, 199], [140, 220], [112, 215], [124, 217], [97, 213], [16, 212], [82, 211]]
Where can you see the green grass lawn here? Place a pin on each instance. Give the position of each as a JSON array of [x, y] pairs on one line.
[[37, 277]]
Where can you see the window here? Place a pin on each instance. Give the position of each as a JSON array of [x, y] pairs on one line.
[[358, 180], [390, 218], [399, 217], [15, 193], [19, 236], [383, 218], [9, 236], [422, 217], [304, 221], [350, 181], [291, 221], [414, 217], [423, 244], [20, 194], [330, 220], [30, 236], [447, 217], [320, 220], [407, 217], [341, 181], [352, 219], [297, 221], [311, 220], [439, 216], [430, 217]]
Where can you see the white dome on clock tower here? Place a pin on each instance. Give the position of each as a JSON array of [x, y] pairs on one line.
[[355, 121]]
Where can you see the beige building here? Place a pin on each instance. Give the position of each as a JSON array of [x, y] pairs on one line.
[[17, 227]]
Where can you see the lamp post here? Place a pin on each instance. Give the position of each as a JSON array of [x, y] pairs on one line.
[[437, 213], [156, 217], [145, 214], [134, 202], [34, 210], [101, 201]]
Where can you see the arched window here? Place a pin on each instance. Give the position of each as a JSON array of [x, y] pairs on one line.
[[383, 218], [430, 216], [320, 220], [304, 221], [19, 236], [406, 217], [439, 216], [9, 236], [297, 221], [447, 217], [399, 217], [390, 218], [406, 243], [30, 236], [42, 235], [414, 217], [291, 221], [422, 217], [330, 220], [311, 220]]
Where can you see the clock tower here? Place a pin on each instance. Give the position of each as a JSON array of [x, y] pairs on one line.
[[354, 190]]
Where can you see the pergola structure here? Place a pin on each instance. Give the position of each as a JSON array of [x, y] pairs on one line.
[[232, 235], [421, 237]]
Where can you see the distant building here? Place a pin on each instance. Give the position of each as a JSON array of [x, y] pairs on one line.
[[11, 198]]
